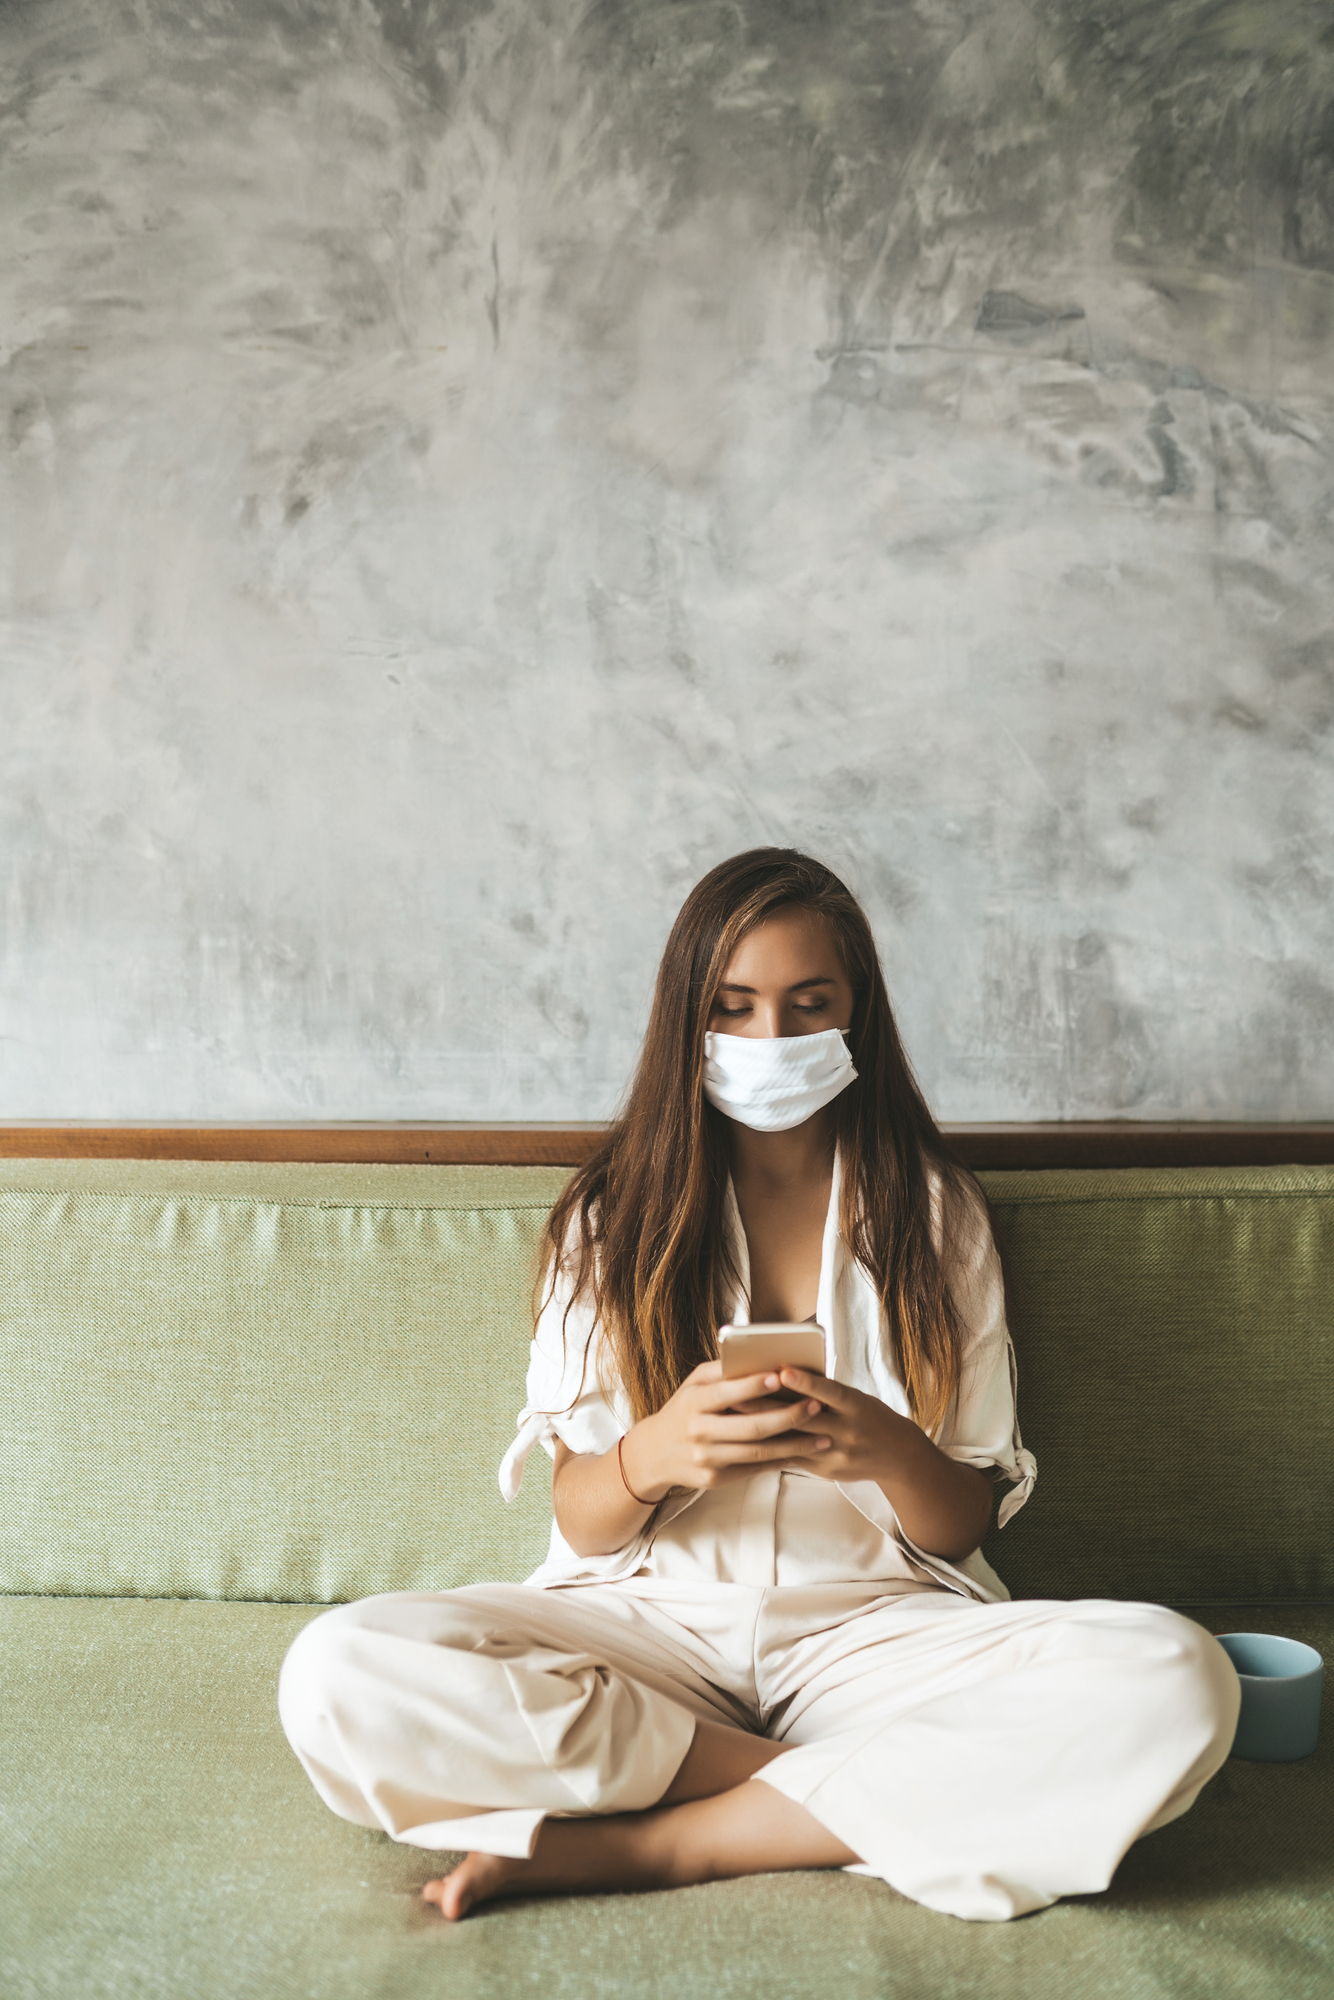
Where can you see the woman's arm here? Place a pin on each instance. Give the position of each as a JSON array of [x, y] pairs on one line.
[[697, 1440], [942, 1506]]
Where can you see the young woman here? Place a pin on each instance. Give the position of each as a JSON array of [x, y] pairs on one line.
[[765, 1637]]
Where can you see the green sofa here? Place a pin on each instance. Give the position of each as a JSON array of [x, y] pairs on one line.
[[232, 1394]]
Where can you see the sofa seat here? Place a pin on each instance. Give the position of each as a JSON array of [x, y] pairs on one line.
[[161, 1840]]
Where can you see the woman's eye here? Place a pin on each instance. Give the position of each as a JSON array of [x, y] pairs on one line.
[[729, 1013]]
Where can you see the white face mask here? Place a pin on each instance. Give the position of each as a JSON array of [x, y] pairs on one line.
[[773, 1082]]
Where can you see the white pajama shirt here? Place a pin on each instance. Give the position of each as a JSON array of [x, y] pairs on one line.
[[981, 1756]]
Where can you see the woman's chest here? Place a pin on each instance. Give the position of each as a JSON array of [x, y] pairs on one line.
[[784, 1240]]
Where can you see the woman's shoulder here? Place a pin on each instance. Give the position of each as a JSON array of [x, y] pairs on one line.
[[960, 1217], [572, 1235]]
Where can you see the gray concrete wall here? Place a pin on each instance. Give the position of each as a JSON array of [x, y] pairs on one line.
[[471, 467]]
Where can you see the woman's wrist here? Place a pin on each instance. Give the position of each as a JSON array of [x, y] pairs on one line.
[[638, 1473], [941, 1504], [904, 1452]]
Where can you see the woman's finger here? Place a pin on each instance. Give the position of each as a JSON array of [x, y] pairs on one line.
[[823, 1388], [720, 1395], [760, 1451], [770, 1422], [825, 1465], [822, 1423]]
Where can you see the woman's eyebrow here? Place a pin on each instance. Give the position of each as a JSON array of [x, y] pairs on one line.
[[734, 986]]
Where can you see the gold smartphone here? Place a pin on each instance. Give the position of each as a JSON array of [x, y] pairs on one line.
[[769, 1346]]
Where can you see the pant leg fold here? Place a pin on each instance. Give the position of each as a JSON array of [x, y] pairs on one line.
[[1030, 1783], [470, 1737]]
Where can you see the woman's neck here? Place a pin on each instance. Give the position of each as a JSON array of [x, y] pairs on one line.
[[782, 1162]]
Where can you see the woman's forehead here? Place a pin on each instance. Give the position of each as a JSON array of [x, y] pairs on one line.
[[779, 941]]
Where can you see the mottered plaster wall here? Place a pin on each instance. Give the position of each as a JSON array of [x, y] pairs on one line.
[[470, 467]]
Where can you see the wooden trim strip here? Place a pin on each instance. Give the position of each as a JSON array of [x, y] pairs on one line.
[[1131, 1143], [1113, 1143], [461, 1145]]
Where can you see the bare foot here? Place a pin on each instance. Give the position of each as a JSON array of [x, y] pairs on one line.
[[719, 1759], [477, 1877], [746, 1831]]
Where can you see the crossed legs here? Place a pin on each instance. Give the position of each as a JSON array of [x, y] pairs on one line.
[[984, 1760]]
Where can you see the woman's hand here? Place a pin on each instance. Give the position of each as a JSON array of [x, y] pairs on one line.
[[713, 1431], [710, 1432], [944, 1507], [864, 1434]]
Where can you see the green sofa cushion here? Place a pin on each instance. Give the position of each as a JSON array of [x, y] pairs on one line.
[[1175, 1337], [259, 1382], [158, 1839], [295, 1383]]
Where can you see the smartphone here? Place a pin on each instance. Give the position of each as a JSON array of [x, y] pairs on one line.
[[771, 1345]]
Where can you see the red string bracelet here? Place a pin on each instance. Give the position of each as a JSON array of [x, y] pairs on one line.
[[624, 1481]]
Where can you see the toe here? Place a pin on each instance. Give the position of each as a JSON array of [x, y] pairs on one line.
[[458, 1898]]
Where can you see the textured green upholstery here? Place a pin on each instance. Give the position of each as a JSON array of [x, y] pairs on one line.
[[290, 1382], [1175, 1334], [255, 1383], [163, 1844], [235, 1381]]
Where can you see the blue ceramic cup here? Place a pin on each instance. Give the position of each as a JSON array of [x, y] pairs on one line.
[[1280, 1695]]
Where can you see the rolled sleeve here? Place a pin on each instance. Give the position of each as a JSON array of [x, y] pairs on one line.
[[565, 1399], [983, 1429]]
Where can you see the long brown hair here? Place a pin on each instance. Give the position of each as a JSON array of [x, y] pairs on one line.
[[639, 1228]]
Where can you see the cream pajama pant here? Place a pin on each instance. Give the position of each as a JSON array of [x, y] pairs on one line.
[[983, 1759]]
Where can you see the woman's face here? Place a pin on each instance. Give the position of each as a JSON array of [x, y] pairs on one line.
[[784, 978]]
